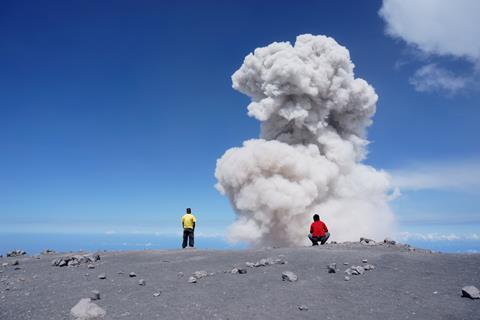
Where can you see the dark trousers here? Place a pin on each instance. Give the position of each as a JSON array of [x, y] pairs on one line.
[[188, 238], [322, 240]]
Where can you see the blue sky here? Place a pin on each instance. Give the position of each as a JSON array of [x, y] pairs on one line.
[[113, 113]]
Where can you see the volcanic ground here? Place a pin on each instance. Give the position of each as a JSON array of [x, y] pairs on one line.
[[403, 283]]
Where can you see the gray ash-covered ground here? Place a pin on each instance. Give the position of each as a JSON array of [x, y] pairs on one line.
[[403, 284]]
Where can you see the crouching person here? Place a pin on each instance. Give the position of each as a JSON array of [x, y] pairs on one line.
[[318, 231]]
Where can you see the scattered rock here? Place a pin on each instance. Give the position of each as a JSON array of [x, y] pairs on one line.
[[180, 274], [355, 270], [15, 263], [132, 274], [156, 294], [303, 307], [346, 278], [332, 268], [192, 280], [366, 241], [234, 271], [267, 262], [289, 276], [364, 260], [86, 310], [368, 267], [95, 295], [75, 260], [5, 264], [242, 270], [73, 263], [102, 276], [91, 266], [47, 251], [200, 274], [16, 253], [471, 292], [389, 241], [345, 263], [141, 282]]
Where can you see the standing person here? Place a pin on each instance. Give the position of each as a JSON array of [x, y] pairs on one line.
[[188, 224], [318, 231]]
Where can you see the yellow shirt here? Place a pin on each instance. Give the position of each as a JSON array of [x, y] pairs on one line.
[[188, 220]]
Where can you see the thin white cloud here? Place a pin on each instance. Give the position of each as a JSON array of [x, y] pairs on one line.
[[437, 28], [433, 78], [453, 175], [407, 236]]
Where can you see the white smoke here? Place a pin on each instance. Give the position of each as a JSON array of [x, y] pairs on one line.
[[313, 115]]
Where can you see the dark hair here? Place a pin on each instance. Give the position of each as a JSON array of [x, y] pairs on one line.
[[316, 217], [189, 210]]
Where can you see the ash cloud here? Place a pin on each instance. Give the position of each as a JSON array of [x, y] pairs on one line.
[[314, 114]]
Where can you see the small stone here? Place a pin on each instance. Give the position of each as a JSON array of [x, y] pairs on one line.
[[180, 274], [4, 264], [435, 292], [85, 310], [346, 278], [364, 260], [332, 268], [250, 264], [470, 292], [242, 270], [192, 280], [102, 276], [95, 295], [156, 294], [234, 271], [15, 263], [368, 267], [345, 263], [289, 276], [91, 266], [303, 307], [17, 268], [132, 274], [141, 282]]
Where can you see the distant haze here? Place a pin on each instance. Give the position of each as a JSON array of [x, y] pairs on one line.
[[314, 114]]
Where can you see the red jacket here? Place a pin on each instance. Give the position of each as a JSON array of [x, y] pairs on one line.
[[318, 229]]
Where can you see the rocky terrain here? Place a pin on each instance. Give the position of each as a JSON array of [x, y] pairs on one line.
[[362, 280]]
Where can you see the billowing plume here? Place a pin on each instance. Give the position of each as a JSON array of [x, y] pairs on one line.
[[314, 114]]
